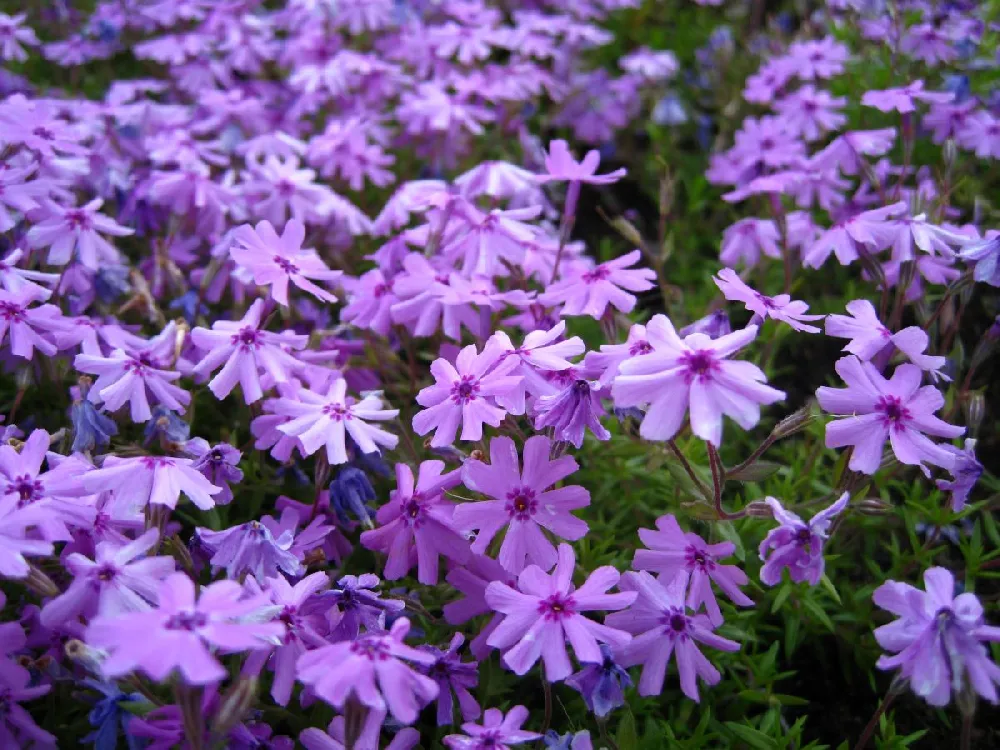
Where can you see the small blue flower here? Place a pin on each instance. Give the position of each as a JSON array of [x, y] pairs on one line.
[[350, 494], [108, 717], [190, 306], [111, 282], [90, 427], [167, 425], [602, 685]]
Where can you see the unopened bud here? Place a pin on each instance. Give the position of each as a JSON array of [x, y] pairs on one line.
[[950, 152], [627, 230], [966, 699], [234, 706], [873, 506], [759, 509], [82, 654], [974, 409], [476, 455], [40, 583], [179, 550], [794, 422]]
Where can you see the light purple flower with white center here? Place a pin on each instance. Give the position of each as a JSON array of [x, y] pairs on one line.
[[938, 642], [150, 480], [607, 360], [114, 582], [417, 524], [277, 261], [811, 113], [79, 230], [964, 474], [245, 351], [797, 545], [497, 731], [692, 372], [465, 394], [251, 548], [672, 551], [540, 352], [523, 502], [178, 633], [372, 669], [662, 627], [868, 230], [876, 410], [320, 419], [781, 307], [591, 291], [546, 610], [125, 378]]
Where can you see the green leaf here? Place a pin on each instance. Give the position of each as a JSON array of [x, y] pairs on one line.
[[827, 584], [728, 532], [817, 611], [627, 738], [753, 737], [758, 471]]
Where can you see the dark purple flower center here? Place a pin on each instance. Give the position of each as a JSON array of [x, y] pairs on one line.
[[678, 623], [285, 188], [247, 337], [372, 649], [895, 414], [699, 364], [557, 607], [28, 489], [382, 289], [492, 738], [698, 558], [107, 572], [151, 462], [189, 621], [465, 390], [138, 365], [44, 133], [286, 265], [804, 538], [768, 302], [77, 219], [337, 412], [639, 348], [414, 510], [598, 274], [521, 503], [12, 312]]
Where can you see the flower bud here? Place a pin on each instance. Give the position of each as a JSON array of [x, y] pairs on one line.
[[79, 652], [234, 706], [758, 509], [40, 583], [873, 506], [794, 422]]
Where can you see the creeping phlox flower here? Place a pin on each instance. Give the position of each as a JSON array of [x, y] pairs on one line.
[[497, 731], [782, 307], [875, 410], [693, 372], [937, 644], [797, 545], [176, 635], [545, 611]]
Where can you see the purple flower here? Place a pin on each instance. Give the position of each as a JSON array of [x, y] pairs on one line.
[[372, 669], [602, 685], [578, 741], [898, 410], [452, 676], [903, 99], [672, 551], [245, 351], [523, 502], [545, 610], [662, 627], [252, 548], [694, 371], [985, 254], [326, 419], [497, 731], [937, 642], [747, 239], [782, 307], [277, 261], [124, 378], [590, 292], [473, 579], [571, 411], [219, 464], [870, 230], [797, 545], [350, 493], [358, 604], [964, 474], [417, 524], [17, 728], [113, 583], [561, 166], [465, 394], [178, 633], [150, 480], [66, 230], [26, 325]]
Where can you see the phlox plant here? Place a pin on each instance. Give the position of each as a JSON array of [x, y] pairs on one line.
[[541, 373]]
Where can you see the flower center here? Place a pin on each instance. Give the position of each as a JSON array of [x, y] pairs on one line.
[[372, 649], [337, 412], [598, 274], [382, 289], [44, 133], [77, 219], [10, 311], [489, 739], [151, 462], [699, 364], [465, 390], [677, 622], [28, 489], [286, 265], [107, 572], [895, 414], [413, 510], [557, 607], [639, 348], [521, 503], [247, 337], [285, 188], [699, 558], [189, 621]]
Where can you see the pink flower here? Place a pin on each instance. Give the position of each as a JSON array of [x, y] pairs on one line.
[[372, 669], [245, 351], [694, 371], [782, 307], [870, 230], [745, 240], [319, 419], [545, 610], [560, 165], [810, 113], [541, 352], [673, 552], [465, 394], [178, 633], [903, 99], [123, 378], [417, 524], [370, 301], [662, 627], [590, 292], [276, 261], [523, 502], [77, 229], [150, 480], [876, 410]]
